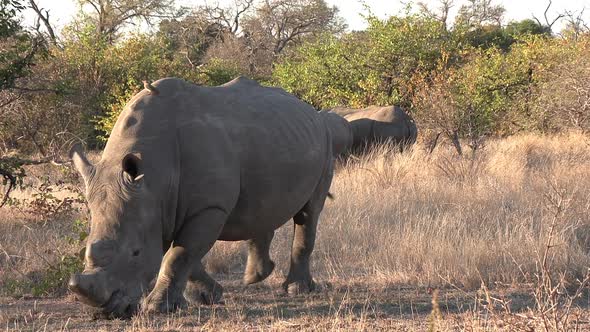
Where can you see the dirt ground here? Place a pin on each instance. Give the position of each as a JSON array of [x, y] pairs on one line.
[[258, 307], [345, 306]]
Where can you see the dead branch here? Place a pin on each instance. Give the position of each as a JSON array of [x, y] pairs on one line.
[[45, 18], [11, 178], [547, 23]]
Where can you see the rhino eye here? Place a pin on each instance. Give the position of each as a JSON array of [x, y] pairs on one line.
[[135, 253]]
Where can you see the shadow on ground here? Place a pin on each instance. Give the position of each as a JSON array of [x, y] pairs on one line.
[[335, 306]]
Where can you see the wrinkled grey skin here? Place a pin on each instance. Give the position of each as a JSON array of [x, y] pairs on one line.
[[341, 132], [186, 166], [377, 124]]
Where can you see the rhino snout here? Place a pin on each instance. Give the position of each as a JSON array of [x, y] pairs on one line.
[[91, 288], [100, 253]]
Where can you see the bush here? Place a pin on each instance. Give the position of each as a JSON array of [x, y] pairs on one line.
[[379, 66]]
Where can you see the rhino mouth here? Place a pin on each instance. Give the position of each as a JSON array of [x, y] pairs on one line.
[[118, 306]]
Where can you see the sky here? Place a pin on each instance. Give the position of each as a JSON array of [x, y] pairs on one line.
[[62, 11]]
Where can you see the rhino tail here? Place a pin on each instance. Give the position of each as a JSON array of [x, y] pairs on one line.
[[413, 132], [412, 128]]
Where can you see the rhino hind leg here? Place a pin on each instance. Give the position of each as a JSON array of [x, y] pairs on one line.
[[259, 265], [299, 279]]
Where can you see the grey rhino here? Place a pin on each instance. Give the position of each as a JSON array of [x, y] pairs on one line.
[[377, 124], [341, 132], [186, 166]]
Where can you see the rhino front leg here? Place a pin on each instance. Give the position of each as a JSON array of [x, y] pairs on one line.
[[259, 265], [183, 259], [201, 288]]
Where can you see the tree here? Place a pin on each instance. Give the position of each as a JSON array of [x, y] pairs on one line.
[[563, 95], [503, 37], [257, 36], [379, 66], [548, 24], [478, 13], [19, 49], [279, 23], [485, 96], [191, 37], [110, 16], [440, 14], [328, 72], [43, 16], [575, 25], [229, 17], [526, 27], [9, 24]]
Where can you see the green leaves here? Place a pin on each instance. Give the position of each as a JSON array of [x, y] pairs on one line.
[[9, 10], [377, 66], [471, 81], [124, 66], [19, 47]]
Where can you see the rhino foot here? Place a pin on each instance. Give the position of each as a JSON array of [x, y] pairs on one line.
[[198, 293], [299, 287], [257, 272], [163, 301]]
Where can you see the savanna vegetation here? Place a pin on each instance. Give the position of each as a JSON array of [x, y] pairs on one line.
[[481, 226]]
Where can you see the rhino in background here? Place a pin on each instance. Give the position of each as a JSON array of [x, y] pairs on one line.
[[341, 132], [378, 124], [186, 166]]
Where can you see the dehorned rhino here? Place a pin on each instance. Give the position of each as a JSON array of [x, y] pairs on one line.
[[378, 124], [186, 166]]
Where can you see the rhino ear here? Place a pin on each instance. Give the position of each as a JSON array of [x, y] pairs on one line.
[[83, 166], [132, 167]]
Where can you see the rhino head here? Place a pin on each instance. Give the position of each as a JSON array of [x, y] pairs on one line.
[[124, 247]]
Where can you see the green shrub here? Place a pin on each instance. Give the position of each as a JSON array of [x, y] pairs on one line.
[[379, 66]]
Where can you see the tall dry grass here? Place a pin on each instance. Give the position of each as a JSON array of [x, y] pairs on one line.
[[431, 219], [412, 218], [406, 219]]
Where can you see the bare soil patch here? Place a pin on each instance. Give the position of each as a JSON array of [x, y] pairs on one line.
[[351, 306]]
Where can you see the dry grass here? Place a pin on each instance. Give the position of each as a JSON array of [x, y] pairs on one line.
[[399, 224], [427, 219]]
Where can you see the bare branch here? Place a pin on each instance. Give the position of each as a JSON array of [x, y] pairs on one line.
[[228, 17], [281, 22], [11, 178], [10, 101], [240, 12], [547, 23], [25, 89], [443, 11], [111, 15], [45, 19], [575, 23]]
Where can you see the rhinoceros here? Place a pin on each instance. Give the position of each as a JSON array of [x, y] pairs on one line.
[[377, 124], [188, 165], [341, 132]]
